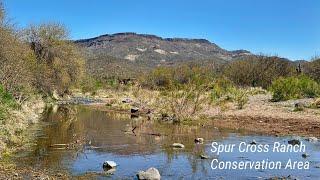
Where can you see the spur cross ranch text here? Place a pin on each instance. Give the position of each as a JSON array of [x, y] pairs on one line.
[[244, 147]]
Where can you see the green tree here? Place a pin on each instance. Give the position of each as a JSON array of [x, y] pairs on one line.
[[59, 62]]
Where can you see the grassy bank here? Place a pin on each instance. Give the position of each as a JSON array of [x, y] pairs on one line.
[[15, 119]]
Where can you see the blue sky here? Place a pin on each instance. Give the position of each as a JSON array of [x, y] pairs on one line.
[[288, 28]]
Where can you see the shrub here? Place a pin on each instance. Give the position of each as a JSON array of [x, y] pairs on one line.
[[6, 98], [165, 78], [182, 89], [312, 69], [184, 101], [294, 87], [257, 71], [221, 87], [89, 84], [6, 101], [159, 78], [240, 97]]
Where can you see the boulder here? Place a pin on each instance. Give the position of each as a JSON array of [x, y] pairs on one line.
[[127, 100], [151, 174], [203, 156], [199, 140], [110, 171], [109, 165], [177, 145], [305, 155], [134, 110], [298, 106], [294, 142], [253, 142]]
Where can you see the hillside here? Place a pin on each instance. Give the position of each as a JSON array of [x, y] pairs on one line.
[[137, 52]]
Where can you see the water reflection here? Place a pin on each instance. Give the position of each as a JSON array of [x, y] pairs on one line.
[[79, 140]]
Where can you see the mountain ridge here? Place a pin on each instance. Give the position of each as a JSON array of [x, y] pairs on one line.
[[130, 53], [154, 49]]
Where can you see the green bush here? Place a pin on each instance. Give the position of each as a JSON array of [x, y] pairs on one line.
[[240, 97], [6, 101], [91, 85], [294, 87], [221, 87]]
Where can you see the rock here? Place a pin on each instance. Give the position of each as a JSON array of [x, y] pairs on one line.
[[253, 142], [110, 170], [55, 95], [312, 139], [150, 174], [290, 177], [294, 142], [305, 155], [298, 106], [109, 164], [177, 145], [134, 110], [127, 100], [203, 156], [293, 177], [199, 140]]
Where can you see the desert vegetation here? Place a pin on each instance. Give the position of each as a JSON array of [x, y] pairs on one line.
[[41, 62], [294, 87], [36, 62]]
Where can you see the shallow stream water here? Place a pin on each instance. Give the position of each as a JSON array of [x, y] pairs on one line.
[[79, 139]]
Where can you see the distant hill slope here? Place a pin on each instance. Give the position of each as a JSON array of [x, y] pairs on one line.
[[153, 50], [125, 54]]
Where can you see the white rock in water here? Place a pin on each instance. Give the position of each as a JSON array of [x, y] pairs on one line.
[[312, 139], [109, 164], [177, 145], [199, 140], [203, 156], [150, 174], [305, 155]]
